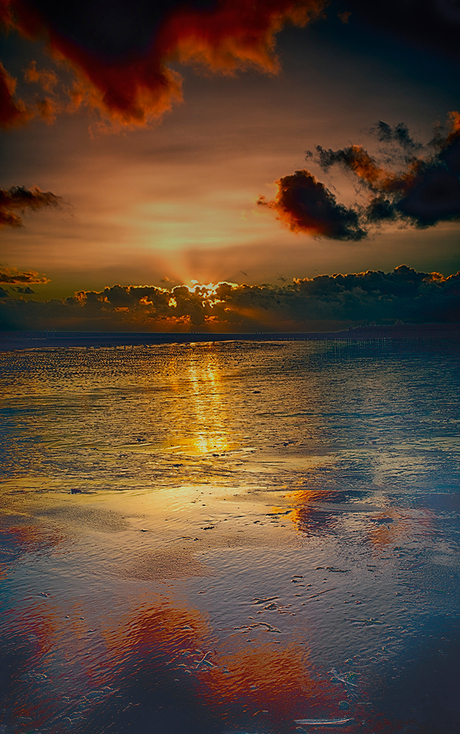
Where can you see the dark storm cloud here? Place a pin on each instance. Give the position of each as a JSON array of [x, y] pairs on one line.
[[119, 49], [19, 199], [324, 302], [13, 276], [306, 205], [425, 193]]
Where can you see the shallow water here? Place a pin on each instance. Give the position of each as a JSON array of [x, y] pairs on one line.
[[233, 537]]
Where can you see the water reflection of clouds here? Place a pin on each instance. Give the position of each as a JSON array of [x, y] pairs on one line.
[[306, 515], [19, 539], [321, 512], [161, 656], [396, 525], [233, 677], [316, 507]]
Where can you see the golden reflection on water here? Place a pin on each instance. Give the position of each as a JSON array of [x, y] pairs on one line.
[[210, 430], [305, 515]]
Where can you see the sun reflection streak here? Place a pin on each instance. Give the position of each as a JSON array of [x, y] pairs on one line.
[[211, 428]]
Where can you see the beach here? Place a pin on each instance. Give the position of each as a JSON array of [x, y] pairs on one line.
[[240, 537]]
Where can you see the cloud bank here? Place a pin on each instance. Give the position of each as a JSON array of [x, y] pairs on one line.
[[121, 52], [424, 193], [19, 199], [307, 304], [12, 276]]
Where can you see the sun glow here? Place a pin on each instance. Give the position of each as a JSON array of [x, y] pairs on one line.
[[208, 289]]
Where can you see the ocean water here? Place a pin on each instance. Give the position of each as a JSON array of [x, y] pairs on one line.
[[231, 538]]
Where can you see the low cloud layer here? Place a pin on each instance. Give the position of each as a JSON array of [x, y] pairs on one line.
[[17, 199], [120, 52], [320, 303], [425, 192], [12, 276]]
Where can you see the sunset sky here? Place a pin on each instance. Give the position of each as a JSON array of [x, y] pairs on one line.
[[164, 140]]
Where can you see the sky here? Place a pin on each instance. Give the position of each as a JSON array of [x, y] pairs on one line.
[[300, 152]]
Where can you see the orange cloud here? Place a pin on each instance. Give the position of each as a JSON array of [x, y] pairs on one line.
[[121, 61], [13, 113], [45, 77], [13, 276]]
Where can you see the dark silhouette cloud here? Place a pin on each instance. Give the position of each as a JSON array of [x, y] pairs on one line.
[[353, 158], [425, 193], [432, 196], [306, 205], [19, 199], [398, 134], [25, 290], [320, 303], [120, 50], [13, 276]]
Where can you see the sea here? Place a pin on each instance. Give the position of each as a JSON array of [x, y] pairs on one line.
[[230, 537]]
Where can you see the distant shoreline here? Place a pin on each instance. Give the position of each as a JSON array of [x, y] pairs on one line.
[[12, 340]]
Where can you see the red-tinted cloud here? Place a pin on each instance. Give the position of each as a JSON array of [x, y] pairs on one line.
[[13, 112], [47, 78], [120, 50], [19, 199]]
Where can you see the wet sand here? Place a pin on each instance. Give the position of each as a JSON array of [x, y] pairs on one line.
[[232, 573]]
